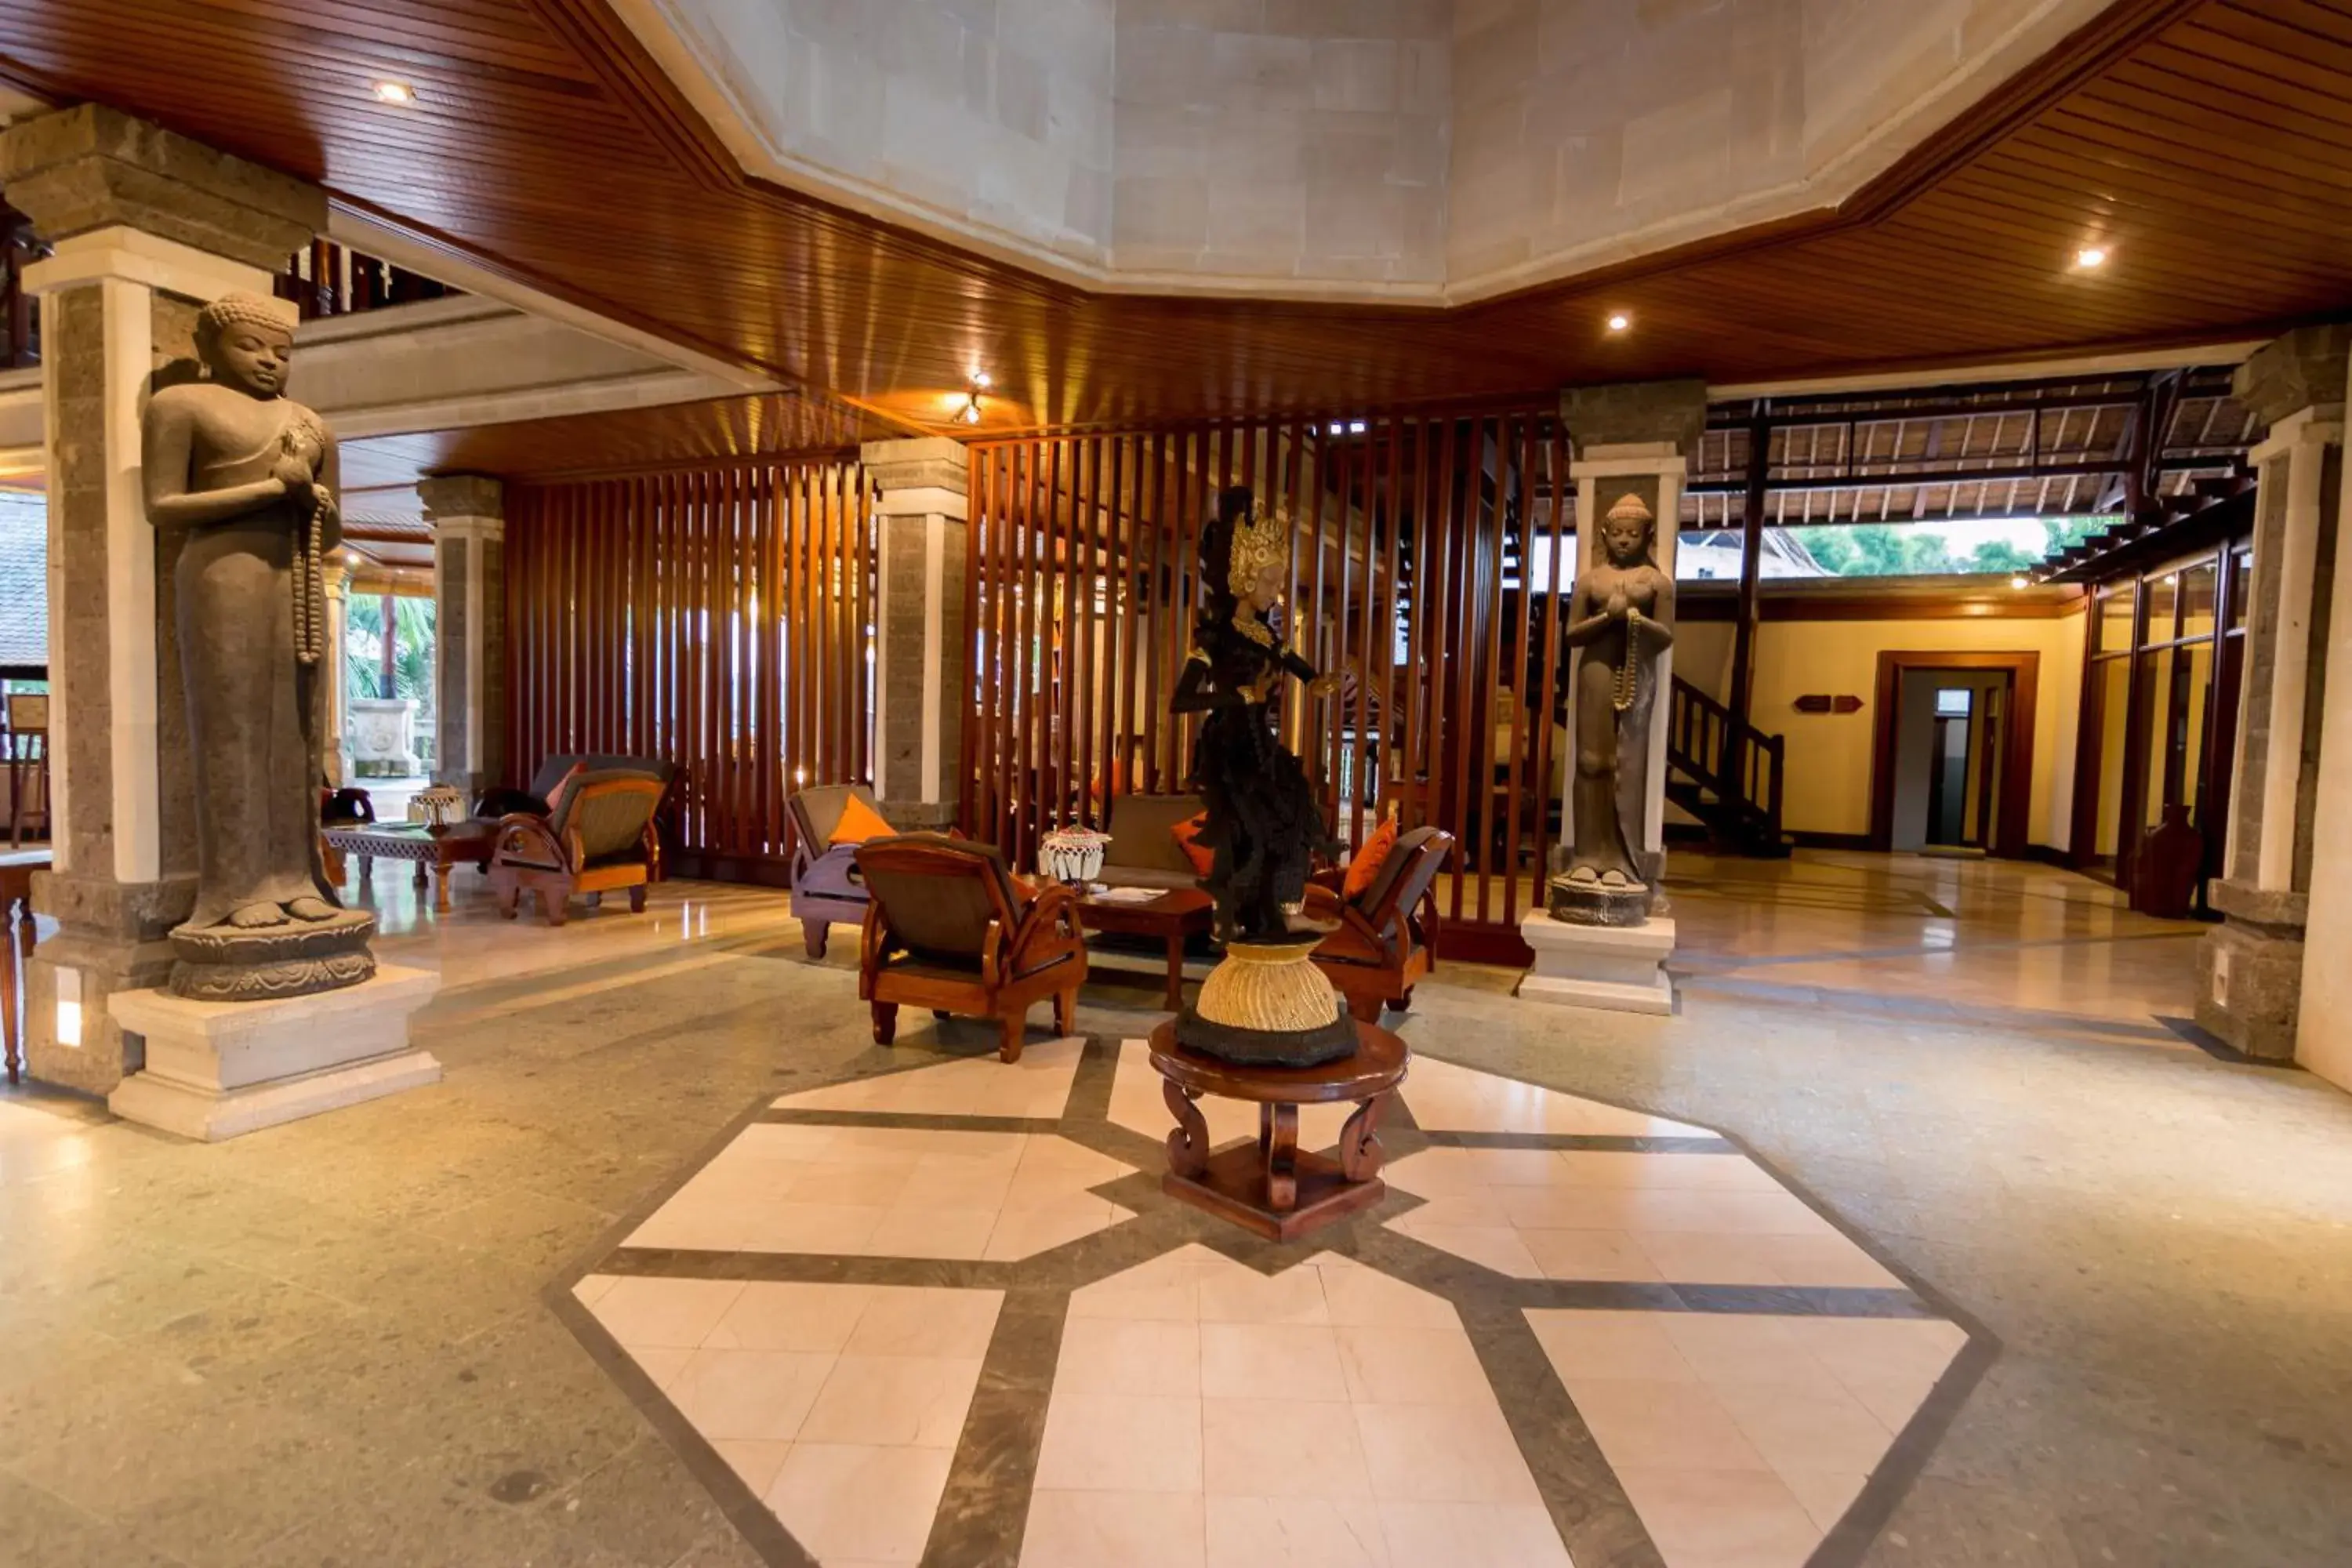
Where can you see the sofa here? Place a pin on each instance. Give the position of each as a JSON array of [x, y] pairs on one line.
[[1142, 852]]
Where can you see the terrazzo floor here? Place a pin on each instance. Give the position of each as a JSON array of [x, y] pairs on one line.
[[676, 1268]]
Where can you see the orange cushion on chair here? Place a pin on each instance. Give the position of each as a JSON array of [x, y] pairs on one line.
[[1365, 864], [1187, 834], [859, 822]]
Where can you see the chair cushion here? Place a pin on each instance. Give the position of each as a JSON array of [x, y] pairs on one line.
[[1186, 836], [610, 822], [1138, 831], [939, 914], [857, 823], [553, 768], [1364, 865]]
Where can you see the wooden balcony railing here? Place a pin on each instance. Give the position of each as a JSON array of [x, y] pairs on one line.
[[20, 313], [329, 280]]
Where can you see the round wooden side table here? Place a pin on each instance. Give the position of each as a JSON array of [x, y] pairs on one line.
[[1270, 1187]]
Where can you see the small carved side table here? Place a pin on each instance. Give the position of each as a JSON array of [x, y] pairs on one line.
[[1270, 1187]]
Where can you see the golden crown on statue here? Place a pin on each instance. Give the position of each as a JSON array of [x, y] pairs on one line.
[[1260, 540]]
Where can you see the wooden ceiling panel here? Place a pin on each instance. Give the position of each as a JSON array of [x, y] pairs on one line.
[[2207, 143]]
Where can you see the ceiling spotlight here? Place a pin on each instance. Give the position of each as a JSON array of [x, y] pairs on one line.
[[2017, 582], [2089, 257], [1618, 320], [970, 414], [394, 92], [979, 379]]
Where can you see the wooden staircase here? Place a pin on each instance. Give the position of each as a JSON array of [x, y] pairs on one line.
[[1725, 773]]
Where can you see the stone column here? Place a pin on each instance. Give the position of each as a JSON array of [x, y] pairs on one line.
[[468, 515], [1634, 438], [147, 227], [334, 754], [2250, 967], [921, 689]]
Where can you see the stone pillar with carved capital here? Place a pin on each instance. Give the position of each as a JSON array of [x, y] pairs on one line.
[[921, 689], [2250, 967], [146, 227], [468, 514]]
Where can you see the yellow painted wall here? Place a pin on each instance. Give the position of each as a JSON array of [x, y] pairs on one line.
[[1827, 785]]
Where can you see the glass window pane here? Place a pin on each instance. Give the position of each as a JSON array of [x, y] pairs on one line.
[[2161, 731], [2115, 627], [2162, 592], [2114, 687], [2197, 600], [2241, 587], [1953, 703], [2198, 675]]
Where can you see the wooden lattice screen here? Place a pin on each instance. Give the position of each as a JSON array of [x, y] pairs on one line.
[[718, 618], [1413, 536]]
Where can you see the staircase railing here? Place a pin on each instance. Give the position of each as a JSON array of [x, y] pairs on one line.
[[325, 279], [1741, 765]]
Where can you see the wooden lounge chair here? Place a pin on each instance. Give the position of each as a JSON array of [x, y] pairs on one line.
[[599, 836], [1386, 935], [948, 929]]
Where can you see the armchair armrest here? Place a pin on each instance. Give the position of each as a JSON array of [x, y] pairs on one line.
[[835, 871], [1048, 930], [521, 834]]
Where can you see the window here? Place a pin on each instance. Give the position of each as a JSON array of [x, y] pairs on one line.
[[1953, 702]]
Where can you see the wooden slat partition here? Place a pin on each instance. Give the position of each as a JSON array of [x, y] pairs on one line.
[[719, 618], [1413, 538]]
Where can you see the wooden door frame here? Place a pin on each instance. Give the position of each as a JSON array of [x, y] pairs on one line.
[[2017, 741]]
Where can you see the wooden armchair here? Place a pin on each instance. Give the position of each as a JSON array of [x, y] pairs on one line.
[[600, 836], [1387, 936], [826, 884], [948, 929]]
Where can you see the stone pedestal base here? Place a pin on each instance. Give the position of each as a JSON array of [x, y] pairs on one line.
[[2250, 970], [217, 1070], [1618, 969]]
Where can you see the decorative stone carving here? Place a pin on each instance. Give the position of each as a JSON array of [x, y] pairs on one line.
[[239, 481], [1621, 615], [384, 737]]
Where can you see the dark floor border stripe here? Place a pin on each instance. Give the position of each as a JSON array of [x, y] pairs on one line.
[[910, 1121], [1628, 1143]]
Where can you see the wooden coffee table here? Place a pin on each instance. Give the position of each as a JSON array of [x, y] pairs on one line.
[[1174, 917], [435, 850], [1270, 1187]]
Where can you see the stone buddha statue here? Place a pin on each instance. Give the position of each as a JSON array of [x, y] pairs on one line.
[[1621, 614], [245, 477]]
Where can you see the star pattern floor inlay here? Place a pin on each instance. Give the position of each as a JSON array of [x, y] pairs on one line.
[[945, 1314]]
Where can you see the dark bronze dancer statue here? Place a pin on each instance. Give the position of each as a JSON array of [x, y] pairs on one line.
[[1266, 823]]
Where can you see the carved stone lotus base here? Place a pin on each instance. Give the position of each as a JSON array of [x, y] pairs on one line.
[[1267, 1005], [301, 958], [1585, 902], [217, 1070]]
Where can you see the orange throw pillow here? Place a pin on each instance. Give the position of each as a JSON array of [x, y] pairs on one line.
[[563, 787], [859, 822], [1364, 865], [1187, 834]]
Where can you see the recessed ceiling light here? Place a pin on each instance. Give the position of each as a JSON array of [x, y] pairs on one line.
[[2017, 582], [394, 92], [979, 378], [2091, 256], [1618, 320]]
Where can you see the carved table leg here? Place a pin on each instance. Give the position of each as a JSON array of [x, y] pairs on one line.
[[1280, 1140], [420, 873], [441, 887], [1360, 1143], [1187, 1143]]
